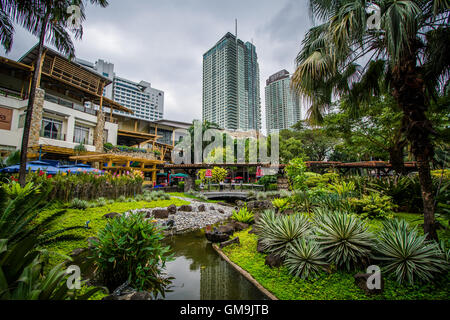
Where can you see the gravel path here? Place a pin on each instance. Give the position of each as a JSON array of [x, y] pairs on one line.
[[191, 221]]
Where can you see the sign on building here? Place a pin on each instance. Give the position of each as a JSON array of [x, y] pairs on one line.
[[5, 118]]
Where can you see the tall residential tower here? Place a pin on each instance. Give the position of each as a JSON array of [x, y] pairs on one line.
[[231, 91], [146, 102], [283, 107]]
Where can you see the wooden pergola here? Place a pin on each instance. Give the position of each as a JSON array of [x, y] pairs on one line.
[[120, 163]]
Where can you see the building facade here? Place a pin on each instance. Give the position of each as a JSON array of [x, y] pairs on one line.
[[231, 91], [283, 107], [147, 103]]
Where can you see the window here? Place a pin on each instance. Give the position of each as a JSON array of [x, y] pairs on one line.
[[81, 134], [22, 120], [51, 129]]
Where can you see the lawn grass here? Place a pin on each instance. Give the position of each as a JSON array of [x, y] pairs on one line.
[[338, 285], [75, 217]]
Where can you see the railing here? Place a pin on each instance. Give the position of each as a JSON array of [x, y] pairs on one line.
[[89, 142], [111, 119], [69, 104], [50, 135], [11, 93]]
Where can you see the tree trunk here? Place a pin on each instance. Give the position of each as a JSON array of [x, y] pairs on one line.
[[409, 91], [31, 99]]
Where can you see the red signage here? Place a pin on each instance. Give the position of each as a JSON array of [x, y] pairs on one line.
[[259, 172], [208, 173]]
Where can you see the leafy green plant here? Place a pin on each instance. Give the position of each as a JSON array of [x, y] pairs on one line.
[[243, 215], [219, 174], [407, 254], [277, 232], [281, 203], [22, 276], [374, 206], [296, 172], [344, 238], [343, 188], [80, 204], [130, 248], [305, 258]]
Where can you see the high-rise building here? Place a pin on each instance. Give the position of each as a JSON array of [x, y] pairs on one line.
[[231, 91], [146, 102], [283, 107]]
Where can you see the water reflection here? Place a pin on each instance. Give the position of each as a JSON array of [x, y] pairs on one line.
[[200, 274]]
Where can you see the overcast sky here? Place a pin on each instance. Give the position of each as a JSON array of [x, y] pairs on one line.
[[163, 42]]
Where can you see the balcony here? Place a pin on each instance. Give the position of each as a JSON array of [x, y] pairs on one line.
[[69, 104]]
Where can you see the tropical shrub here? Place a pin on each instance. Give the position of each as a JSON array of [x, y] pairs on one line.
[[277, 232], [181, 185], [197, 194], [400, 189], [267, 180], [342, 188], [281, 203], [301, 201], [80, 204], [374, 206], [219, 174], [296, 172], [344, 239], [130, 248], [305, 258], [332, 202], [243, 215], [22, 276], [409, 255]]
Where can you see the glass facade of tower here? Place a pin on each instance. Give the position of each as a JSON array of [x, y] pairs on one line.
[[283, 107], [231, 96]]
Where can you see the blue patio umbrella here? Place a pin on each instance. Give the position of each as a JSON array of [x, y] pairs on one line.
[[33, 166]]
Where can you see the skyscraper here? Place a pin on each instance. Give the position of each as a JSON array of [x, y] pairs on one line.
[[146, 102], [283, 107], [231, 91]]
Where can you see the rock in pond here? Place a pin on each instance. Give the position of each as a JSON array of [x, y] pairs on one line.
[[216, 237]]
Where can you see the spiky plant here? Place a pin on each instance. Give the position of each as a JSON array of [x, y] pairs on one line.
[[407, 254], [305, 258], [344, 238], [243, 215], [277, 232]]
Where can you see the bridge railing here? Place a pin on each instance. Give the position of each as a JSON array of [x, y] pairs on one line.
[[234, 186]]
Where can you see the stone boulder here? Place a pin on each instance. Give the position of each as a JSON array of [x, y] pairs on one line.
[[361, 282], [274, 261], [260, 247], [240, 226], [212, 208], [221, 211], [112, 215], [185, 208], [229, 242], [216, 237], [201, 208], [172, 209], [227, 229], [160, 213], [260, 205]]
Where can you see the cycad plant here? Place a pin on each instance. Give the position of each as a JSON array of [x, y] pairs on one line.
[[408, 255], [344, 238], [277, 232], [305, 258]]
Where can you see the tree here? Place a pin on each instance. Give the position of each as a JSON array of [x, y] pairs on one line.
[[412, 41], [49, 21]]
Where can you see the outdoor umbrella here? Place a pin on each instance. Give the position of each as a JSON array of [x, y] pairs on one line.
[[33, 166], [79, 168]]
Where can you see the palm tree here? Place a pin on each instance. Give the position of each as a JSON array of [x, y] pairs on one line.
[[49, 21], [413, 39]]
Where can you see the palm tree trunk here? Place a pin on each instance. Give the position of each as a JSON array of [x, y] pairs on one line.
[[31, 99], [409, 90]]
